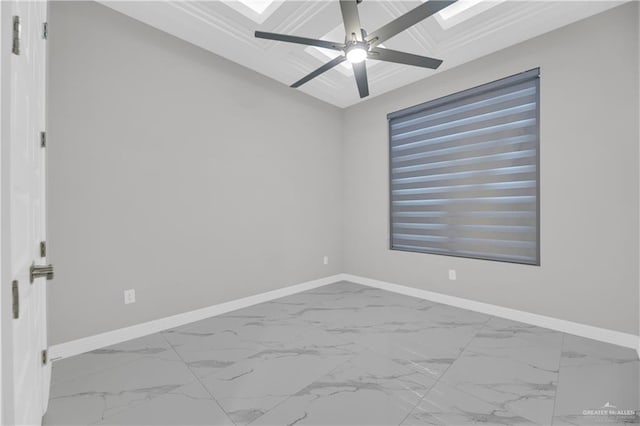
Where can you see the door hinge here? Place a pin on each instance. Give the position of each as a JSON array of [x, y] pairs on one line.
[[16, 35], [40, 271], [45, 30], [43, 249], [43, 139], [16, 299], [45, 357]]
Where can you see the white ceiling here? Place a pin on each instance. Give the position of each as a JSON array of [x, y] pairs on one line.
[[226, 29]]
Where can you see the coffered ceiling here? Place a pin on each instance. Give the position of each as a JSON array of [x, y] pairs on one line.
[[472, 29]]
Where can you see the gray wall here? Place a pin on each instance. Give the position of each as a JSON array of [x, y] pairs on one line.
[[589, 180], [177, 173], [196, 181]]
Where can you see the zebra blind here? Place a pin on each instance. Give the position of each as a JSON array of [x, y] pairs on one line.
[[465, 173]]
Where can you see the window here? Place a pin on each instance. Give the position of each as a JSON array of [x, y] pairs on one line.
[[464, 173]]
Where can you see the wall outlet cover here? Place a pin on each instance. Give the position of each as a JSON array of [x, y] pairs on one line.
[[129, 296], [452, 274]]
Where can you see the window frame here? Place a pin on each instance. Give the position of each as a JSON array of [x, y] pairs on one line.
[[533, 73]]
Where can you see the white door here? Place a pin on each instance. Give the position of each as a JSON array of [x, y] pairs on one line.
[[25, 376]]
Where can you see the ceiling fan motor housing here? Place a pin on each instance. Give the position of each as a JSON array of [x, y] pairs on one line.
[[356, 50]]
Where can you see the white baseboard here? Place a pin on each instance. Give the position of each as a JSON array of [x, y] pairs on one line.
[[88, 344], [569, 327]]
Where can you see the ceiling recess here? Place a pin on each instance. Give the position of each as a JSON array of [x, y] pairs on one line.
[[484, 28]]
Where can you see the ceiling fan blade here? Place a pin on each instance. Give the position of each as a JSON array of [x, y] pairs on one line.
[[407, 20], [360, 71], [300, 40], [388, 55], [322, 69], [351, 19]]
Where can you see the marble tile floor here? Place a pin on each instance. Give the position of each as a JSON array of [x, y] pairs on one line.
[[347, 354]]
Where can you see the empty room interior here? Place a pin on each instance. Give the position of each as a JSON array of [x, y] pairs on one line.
[[336, 212]]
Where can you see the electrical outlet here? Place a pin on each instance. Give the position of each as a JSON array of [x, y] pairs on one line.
[[129, 296], [325, 260], [452, 274]]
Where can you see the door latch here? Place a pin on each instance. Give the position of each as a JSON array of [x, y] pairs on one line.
[[37, 271]]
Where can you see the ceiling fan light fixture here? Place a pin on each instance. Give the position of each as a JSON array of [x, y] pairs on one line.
[[356, 54]]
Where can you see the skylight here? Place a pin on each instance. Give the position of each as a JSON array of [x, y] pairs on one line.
[[256, 10], [458, 7], [462, 10], [258, 6]]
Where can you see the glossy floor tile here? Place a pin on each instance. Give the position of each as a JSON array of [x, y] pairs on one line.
[[347, 354]]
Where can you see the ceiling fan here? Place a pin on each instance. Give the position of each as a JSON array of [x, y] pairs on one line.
[[359, 46]]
